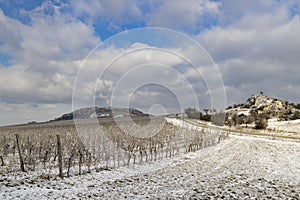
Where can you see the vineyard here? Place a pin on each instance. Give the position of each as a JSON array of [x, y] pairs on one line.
[[55, 149]]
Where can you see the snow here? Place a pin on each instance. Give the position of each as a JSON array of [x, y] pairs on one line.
[[182, 124], [288, 126], [244, 112], [118, 116], [238, 167]]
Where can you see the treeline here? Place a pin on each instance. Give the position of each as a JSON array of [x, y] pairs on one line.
[[229, 118], [259, 120], [210, 115], [193, 113]]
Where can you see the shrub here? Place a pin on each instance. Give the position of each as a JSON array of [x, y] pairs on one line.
[[296, 115], [218, 118], [206, 117], [261, 123], [192, 113]]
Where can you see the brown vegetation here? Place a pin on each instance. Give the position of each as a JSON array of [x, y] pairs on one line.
[[56, 147]]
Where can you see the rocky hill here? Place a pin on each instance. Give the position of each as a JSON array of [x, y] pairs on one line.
[[101, 112], [260, 105]]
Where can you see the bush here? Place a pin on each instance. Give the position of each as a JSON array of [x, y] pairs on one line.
[[229, 107], [206, 117], [218, 118], [296, 115], [261, 123], [192, 113]]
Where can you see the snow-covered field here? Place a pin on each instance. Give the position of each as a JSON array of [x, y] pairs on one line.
[[288, 126], [239, 167], [182, 124]]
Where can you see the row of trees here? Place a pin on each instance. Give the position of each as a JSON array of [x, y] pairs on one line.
[[193, 113], [231, 119], [260, 120]]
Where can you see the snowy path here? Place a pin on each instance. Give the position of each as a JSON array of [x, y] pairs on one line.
[[238, 167]]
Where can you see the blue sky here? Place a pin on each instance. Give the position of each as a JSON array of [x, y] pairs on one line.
[[42, 44]]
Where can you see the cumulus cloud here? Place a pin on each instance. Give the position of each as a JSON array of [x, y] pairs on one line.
[[27, 112], [183, 15], [115, 83], [114, 12], [254, 43], [10, 35], [44, 58], [257, 52]]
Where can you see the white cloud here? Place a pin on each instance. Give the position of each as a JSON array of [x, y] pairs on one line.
[[258, 51], [182, 15], [128, 69], [20, 85], [143, 66], [44, 54], [22, 113], [233, 11], [255, 44], [116, 12], [46, 38], [9, 34]]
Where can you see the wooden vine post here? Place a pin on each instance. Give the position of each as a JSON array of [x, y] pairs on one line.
[[20, 154], [59, 152]]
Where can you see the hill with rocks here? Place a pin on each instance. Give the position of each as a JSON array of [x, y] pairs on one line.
[[260, 106]]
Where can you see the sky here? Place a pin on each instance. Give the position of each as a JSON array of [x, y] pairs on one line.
[[45, 44]]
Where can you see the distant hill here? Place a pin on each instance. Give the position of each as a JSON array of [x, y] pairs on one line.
[[101, 112], [260, 105]]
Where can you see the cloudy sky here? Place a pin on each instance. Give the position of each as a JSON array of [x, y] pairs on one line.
[[44, 44]]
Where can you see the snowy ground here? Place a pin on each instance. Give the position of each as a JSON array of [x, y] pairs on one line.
[[288, 126], [239, 167]]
